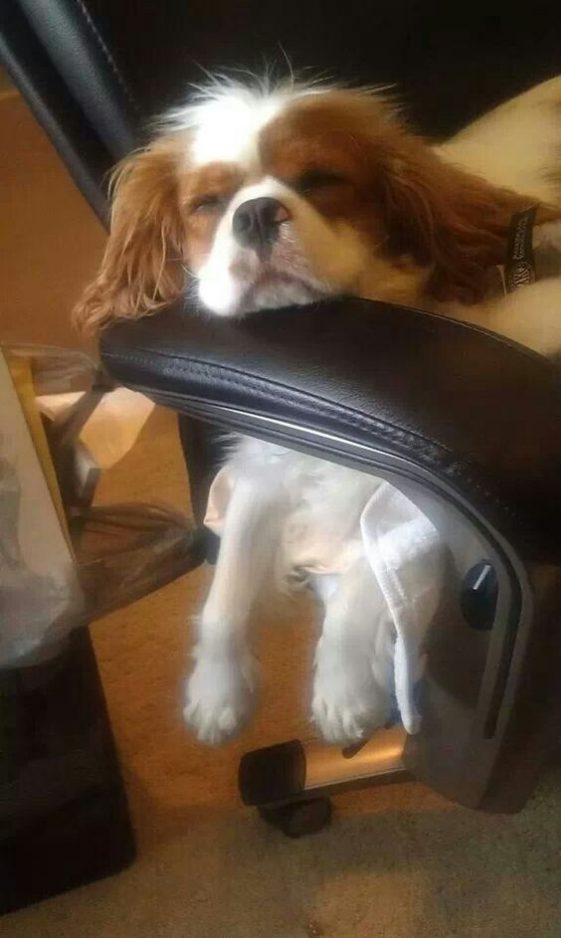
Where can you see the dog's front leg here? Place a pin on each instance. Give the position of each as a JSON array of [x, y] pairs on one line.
[[220, 691]]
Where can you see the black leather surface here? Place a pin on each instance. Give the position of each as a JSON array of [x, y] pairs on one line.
[[53, 105], [451, 60], [476, 411], [89, 67], [111, 65]]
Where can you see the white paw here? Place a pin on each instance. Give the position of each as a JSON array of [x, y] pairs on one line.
[[348, 703], [220, 696]]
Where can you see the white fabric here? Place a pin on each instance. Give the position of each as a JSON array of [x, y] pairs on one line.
[[406, 555], [403, 549]]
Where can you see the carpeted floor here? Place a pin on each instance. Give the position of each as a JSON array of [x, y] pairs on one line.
[[397, 862]]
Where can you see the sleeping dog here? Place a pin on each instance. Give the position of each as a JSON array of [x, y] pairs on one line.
[[253, 197]]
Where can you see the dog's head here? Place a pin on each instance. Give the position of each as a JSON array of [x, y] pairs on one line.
[[256, 199]]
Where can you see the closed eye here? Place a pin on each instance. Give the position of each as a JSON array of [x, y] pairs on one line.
[[317, 179], [207, 203]]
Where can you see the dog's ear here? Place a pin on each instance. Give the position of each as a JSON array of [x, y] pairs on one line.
[[447, 220], [142, 267]]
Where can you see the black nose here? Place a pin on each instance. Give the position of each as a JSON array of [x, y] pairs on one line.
[[256, 223]]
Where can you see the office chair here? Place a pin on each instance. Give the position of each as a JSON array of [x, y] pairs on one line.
[[478, 448]]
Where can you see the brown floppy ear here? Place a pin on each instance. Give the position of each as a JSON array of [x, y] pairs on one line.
[[446, 219], [142, 267]]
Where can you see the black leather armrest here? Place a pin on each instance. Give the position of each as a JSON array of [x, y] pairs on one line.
[[375, 386]]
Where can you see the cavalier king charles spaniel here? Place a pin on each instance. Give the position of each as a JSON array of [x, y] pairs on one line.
[[253, 197]]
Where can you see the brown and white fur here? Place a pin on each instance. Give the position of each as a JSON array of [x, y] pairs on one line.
[[362, 206]]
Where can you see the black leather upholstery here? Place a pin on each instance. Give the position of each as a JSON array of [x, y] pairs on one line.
[[71, 36], [451, 60], [356, 380], [96, 71], [54, 105]]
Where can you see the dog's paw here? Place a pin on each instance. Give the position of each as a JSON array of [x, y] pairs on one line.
[[348, 704], [220, 694]]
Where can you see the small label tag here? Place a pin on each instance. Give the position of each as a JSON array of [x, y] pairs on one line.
[[519, 269]]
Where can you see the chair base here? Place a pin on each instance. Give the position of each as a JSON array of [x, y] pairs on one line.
[[303, 774]]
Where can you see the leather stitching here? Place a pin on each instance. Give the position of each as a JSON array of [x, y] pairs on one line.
[[107, 55], [430, 449], [244, 380], [352, 417]]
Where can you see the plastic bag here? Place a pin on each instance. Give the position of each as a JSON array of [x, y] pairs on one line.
[[38, 602], [63, 562], [57, 370], [40, 595], [129, 550]]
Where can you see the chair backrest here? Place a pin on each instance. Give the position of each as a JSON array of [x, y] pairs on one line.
[[94, 71]]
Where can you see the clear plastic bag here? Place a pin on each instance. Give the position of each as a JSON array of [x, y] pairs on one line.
[[64, 562], [40, 597], [58, 370], [129, 550]]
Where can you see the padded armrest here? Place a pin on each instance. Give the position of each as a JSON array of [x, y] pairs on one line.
[[455, 407]]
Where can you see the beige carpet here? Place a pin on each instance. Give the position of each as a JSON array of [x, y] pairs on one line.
[[397, 862]]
